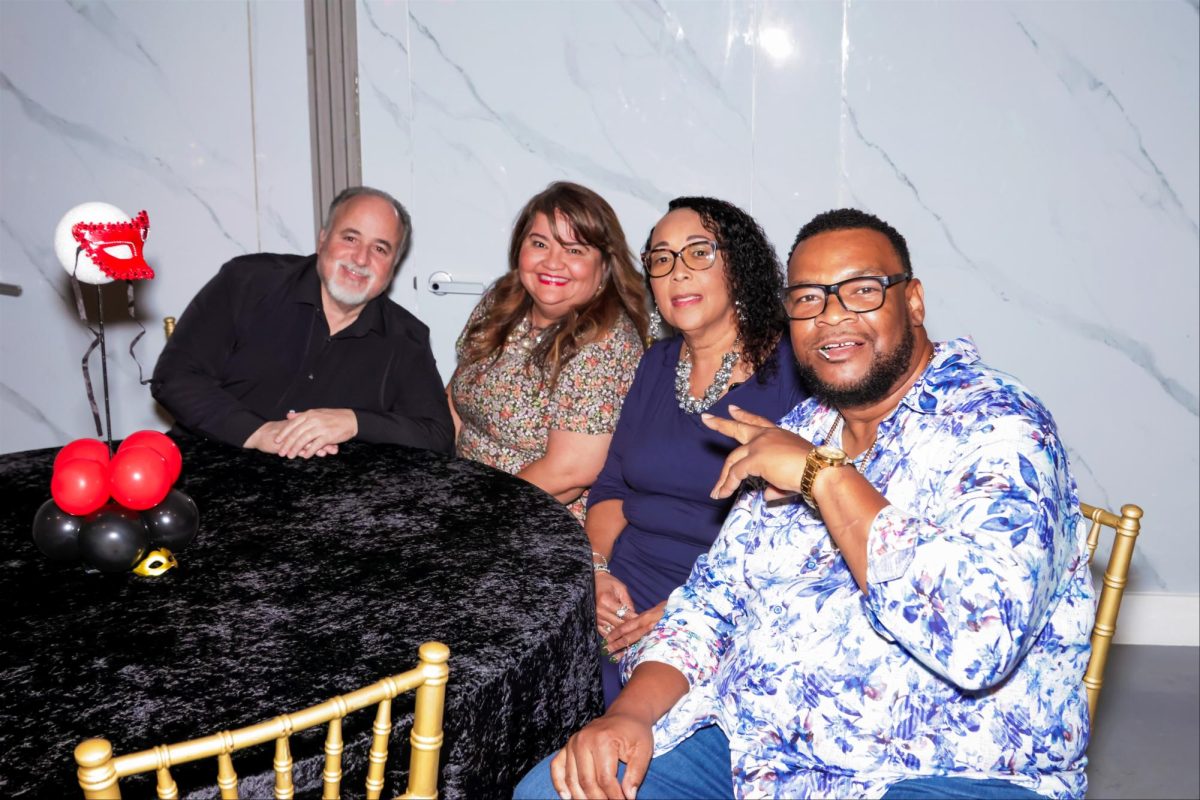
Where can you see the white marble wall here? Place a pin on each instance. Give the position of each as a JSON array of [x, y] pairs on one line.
[[1041, 159], [196, 111]]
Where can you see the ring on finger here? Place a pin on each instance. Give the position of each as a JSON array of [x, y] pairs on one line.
[[622, 611], [607, 629]]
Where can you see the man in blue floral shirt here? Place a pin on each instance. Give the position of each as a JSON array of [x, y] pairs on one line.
[[901, 610]]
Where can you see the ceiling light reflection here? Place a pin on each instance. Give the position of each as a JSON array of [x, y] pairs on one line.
[[776, 42]]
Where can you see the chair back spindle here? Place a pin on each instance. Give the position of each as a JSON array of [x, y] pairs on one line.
[[1116, 575], [99, 771], [331, 777]]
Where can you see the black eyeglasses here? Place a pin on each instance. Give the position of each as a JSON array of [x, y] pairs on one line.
[[698, 255], [860, 295]]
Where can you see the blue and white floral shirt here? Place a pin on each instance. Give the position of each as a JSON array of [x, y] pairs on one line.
[[965, 658]]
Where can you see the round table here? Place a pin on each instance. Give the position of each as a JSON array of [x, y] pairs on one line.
[[308, 579]]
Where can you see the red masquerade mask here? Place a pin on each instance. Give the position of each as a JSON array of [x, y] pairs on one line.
[[116, 247]]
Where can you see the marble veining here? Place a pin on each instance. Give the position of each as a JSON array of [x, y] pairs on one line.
[[537, 144], [44, 262], [369, 16], [151, 165], [101, 17], [1135, 351], [27, 407], [1076, 78]]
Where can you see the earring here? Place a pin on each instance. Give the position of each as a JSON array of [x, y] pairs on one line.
[[656, 323], [741, 312]]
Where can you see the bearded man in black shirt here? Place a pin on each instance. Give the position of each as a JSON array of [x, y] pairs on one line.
[[294, 355]]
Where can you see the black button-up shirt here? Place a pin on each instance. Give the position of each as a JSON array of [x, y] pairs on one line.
[[254, 344]]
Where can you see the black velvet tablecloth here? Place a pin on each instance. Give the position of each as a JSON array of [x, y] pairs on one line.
[[308, 579]]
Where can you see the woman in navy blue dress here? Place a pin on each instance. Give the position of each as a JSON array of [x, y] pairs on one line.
[[718, 283]]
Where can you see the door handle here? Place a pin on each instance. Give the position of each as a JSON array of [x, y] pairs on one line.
[[444, 283]]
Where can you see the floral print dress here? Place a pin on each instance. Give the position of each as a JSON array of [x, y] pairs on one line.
[[508, 411]]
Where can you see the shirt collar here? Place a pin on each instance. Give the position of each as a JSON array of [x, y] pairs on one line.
[[928, 395], [307, 290]]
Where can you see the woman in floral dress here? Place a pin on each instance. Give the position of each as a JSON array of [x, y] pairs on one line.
[[548, 355]]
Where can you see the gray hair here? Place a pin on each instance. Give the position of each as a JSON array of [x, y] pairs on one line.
[[352, 192]]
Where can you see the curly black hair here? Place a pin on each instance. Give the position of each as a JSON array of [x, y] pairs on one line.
[[844, 219], [754, 273]]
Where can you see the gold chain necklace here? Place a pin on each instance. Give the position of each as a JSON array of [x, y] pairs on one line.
[[861, 462]]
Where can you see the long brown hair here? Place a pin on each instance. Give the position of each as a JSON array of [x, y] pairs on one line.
[[507, 301]]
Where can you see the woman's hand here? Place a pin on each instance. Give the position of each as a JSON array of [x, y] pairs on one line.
[[633, 628], [611, 598]]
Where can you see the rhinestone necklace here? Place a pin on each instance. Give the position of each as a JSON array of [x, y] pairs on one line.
[[526, 335], [683, 373]]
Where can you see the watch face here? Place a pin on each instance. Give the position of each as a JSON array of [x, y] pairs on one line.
[[830, 453]]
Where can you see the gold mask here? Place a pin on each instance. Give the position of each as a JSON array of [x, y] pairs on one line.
[[156, 562]]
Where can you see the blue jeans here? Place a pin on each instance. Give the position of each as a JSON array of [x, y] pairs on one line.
[[699, 768], [942, 788]]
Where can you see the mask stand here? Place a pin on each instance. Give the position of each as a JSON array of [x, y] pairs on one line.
[[104, 370]]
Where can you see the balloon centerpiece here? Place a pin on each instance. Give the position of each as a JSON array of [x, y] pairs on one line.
[[109, 509], [119, 513]]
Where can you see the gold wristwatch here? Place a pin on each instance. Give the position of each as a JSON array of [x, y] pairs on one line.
[[818, 459]]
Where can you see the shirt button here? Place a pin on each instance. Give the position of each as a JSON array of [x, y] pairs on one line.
[[310, 376]]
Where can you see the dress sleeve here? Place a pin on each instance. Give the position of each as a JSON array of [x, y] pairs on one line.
[[481, 308], [967, 585], [610, 483], [186, 377], [593, 385]]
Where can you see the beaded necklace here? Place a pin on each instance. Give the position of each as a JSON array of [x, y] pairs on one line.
[[683, 373], [526, 335]]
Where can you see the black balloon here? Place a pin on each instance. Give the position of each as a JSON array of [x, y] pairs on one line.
[[56, 533], [173, 522], [113, 539]]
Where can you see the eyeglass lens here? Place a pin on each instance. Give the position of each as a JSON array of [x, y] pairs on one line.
[[696, 255], [858, 295]]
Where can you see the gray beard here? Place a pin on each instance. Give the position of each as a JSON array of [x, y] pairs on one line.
[[347, 297], [886, 371]]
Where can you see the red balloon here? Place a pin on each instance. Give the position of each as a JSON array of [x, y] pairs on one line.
[[161, 444], [138, 478], [90, 449], [80, 486]]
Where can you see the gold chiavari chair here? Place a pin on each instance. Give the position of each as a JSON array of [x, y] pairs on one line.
[[1116, 574], [99, 771]]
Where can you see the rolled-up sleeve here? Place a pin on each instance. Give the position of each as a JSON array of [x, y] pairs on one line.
[[967, 585]]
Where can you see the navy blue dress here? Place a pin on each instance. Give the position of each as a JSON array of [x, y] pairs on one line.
[[662, 463]]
